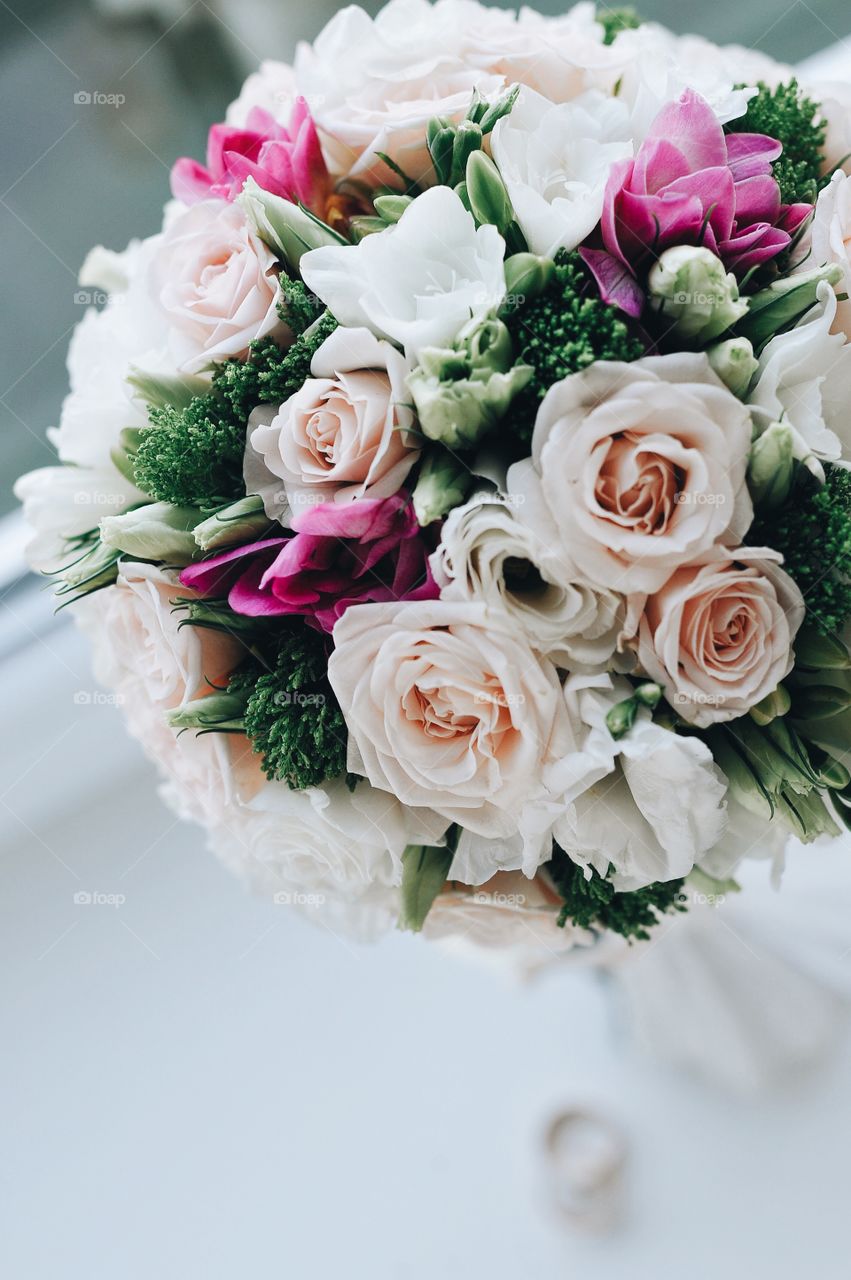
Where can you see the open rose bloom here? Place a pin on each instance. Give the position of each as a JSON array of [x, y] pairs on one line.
[[456, 488]]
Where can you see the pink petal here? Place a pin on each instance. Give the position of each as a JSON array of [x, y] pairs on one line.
[[616, 283]]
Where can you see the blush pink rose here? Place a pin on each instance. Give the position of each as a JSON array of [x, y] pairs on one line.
[[641, 468], [342, 436], [719, 635], [217, 284], [449, 709]]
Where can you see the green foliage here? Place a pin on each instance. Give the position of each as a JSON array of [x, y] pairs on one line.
[[787, 114], [613, 21], [291, 715], [192, 455], [562, 331], [813, 532], [297, 306], [595, 903]]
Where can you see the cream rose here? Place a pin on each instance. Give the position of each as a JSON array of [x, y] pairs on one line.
[[487, 553], [374, 84], [719, 634], [216, 282], [342, 435], [641, 468], [153, 665], [831, 238], [448, 708]]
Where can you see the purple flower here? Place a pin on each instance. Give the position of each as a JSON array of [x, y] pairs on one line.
[[339, 554], [287, 161], [690, 184]]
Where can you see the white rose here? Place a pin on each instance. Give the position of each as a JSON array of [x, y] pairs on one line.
[[830, 234], [153, 664], [448, 708], [555, 161], [419, 281], [559, 57], [374, 84], [641, 467], [834, 98], [804, 381], [342, 435], [488, 553], [657, 813], [718, 635], [216, 283]]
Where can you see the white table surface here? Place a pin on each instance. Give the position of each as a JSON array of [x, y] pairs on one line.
[[199, 1086]]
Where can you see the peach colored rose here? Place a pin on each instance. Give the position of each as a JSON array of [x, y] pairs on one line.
[[448, 709], [641, 468], [719, 635], [342, 435], [217, 284], [153, 665]]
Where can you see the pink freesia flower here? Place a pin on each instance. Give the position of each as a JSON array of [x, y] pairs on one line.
[[690, 184], [369, 549], [285, 160]]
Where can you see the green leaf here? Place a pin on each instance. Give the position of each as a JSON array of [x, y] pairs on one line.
[[424, 871]]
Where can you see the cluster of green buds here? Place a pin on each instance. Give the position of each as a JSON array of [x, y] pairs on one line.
[[621, 717], [451, 143], [461, 392]]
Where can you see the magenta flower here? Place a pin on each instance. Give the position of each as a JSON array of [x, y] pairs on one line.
[[690, 184], [287, 161], [340, 554]]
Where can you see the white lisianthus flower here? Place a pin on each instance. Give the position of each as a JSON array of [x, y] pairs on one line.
[[153, 665], [640, 467], [487, 553], [449, 709], [374, 84], [830, 235], [64, 502], [419, 281], [804, 381], [555, 161], [659, 811], [341, 436]]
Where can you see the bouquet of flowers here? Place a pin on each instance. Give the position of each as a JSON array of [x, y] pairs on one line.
[[454, 488]]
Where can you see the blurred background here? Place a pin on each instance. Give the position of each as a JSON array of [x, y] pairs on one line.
[[196, 1084], [77, 174]]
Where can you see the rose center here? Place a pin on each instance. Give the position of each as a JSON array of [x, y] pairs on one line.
[[637, 487]]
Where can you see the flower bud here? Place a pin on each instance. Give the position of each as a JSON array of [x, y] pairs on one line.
[[242, 521], [834, 775], [775, 704], [783, 303], [771, 466], [440, 138], [391, 208], [218, 710], [443, 484], [287, 229], [690, 288], [486, 192], [648, 694], [621, 717], [526, 276], [468, 138], [735, 364], [157, 531]]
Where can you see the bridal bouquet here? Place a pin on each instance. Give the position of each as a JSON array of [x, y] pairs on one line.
[[454, 488]]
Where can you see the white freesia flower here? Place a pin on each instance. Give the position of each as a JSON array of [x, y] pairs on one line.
[[373, 84], [419, 281], [555, 161], [661, 65], [804, 381], [488, 553], [341, 436], [657, 813], [830, 237]]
